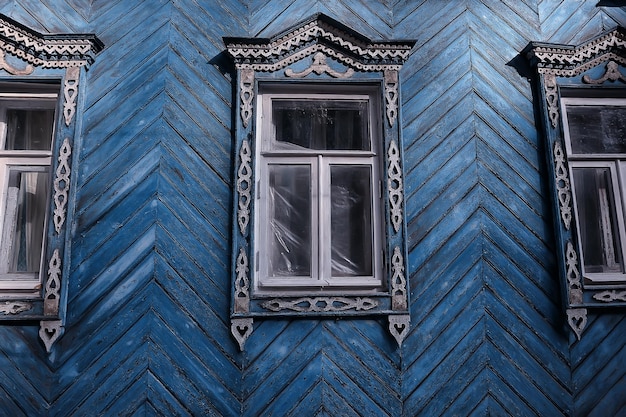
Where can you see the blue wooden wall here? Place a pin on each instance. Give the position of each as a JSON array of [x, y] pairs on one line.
[[148, 313]]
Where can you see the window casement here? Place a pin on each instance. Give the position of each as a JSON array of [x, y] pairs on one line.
[[595, 138], [26, 134], [318, 191], [40, 78], [583, 106], [318, 226]]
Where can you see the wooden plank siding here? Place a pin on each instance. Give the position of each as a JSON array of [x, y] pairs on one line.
[[148, 330]]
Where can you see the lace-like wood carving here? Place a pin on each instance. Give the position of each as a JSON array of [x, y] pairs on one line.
[[62, 185], [242, 283], [394, 185], [53, 285], [321, 304], [70, 92], [562, 185], [244, 186]]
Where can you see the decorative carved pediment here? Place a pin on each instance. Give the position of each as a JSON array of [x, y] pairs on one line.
[[569, 61], [319, 34], [48, 51]]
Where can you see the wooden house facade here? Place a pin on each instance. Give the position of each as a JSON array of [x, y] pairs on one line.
[[444, 259]]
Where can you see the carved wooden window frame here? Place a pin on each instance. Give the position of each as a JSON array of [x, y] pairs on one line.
[[318, 50], [27, 56], [596, 68]]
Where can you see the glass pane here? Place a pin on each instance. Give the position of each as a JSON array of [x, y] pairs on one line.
[[290, 220], [351, 220], [598, 226], [29, 129], [321, 124], [24, 219], [597, 129]]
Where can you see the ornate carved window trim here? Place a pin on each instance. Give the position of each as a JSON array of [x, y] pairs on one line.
[[318, 50], [596, 68], [28, 55]]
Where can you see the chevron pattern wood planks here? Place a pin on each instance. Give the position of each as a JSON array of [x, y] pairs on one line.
[[148, 327]]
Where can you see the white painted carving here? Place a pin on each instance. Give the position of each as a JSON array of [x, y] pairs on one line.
[[562, 185], [398, 282], [12, 70], [242, 284], [14, 307], [241, 329], [564, 61], [70, 92], [50, 52], [612, 73], [573, 276], [392, 54], [53, 285], [552, 98], [394, 185], [399, 327], [319, 66], [391, 95], [244, 186], [321, 304], [246, 95], [577, 320], [62, 185], [609, 296], [49, 332]]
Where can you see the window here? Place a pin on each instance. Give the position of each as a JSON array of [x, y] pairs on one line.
[[318, 215], [318, 225], [582, 90], [26, 130], [596, 149]]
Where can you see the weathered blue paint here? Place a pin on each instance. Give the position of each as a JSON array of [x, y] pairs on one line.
[[147, 329]]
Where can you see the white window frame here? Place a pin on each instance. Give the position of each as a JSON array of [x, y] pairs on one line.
[[616, 163], [22, 285], [320, 163]]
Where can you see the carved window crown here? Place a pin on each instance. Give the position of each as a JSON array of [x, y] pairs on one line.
[[583, 103], [40, 75], [292, 90]]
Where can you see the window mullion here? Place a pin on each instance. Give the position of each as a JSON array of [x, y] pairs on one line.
[[323, 216]]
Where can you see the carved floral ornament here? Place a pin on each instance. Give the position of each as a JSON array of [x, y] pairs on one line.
[[570, 66], [23, 53], [319, 49]]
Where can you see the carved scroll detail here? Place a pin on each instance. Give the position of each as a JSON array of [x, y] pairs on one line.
[[574, 284], [246, 95], [241, 330], [50, 332], [391, 95], [14, 307], [577, 320], [70, 92], [242, 284], [62, 185], [244, 186], [609, 296], [612, 73], [394, 185], [399, 327], [562, 185], [319, 66], [398, 282], [53, 285], [12, 70], [321, 304], [551, 98]]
